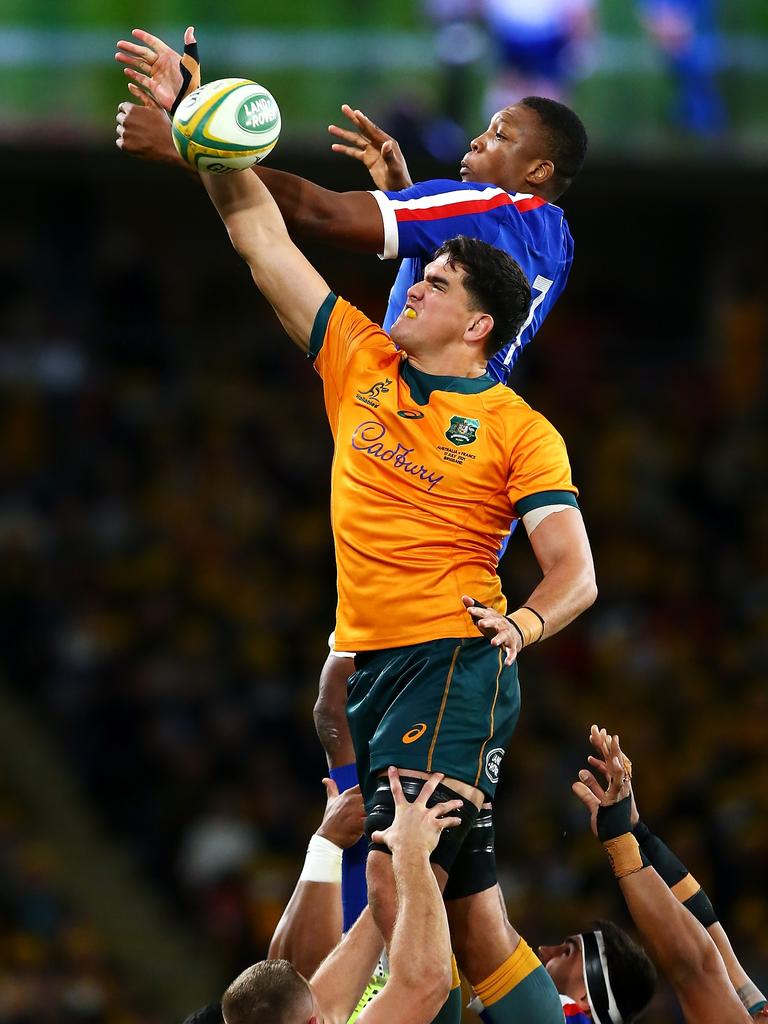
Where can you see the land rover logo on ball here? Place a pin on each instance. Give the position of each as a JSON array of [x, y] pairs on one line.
[[257, 114], [493, 763]]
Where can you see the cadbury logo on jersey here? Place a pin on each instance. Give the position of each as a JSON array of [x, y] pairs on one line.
[[369, 437], [370, 396], [462, 430]]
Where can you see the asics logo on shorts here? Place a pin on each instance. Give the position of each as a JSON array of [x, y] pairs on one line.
[[415, 732]]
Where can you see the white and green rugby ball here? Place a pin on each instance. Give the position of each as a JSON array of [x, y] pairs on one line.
[[226, 125]]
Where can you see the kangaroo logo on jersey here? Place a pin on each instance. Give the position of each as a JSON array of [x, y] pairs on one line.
[[493, 763], [370, 396], [462, 430]]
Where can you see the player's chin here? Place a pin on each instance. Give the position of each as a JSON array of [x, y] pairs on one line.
[[397, 331]]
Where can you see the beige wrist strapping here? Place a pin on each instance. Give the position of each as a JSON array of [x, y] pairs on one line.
[[529, 624]]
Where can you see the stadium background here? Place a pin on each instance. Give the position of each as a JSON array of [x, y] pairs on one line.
[[166, 572]]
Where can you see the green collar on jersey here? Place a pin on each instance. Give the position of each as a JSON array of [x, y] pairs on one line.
[[423, 384]]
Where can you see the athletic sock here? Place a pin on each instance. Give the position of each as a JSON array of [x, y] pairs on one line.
[[520, 991], [354, 892], [450, 1012]]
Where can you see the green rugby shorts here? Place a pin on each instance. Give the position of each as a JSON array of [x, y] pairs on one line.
[[446, 706]]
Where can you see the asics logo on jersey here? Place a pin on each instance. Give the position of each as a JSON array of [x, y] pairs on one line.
[[415, 733], [369, 397], [410, 414]]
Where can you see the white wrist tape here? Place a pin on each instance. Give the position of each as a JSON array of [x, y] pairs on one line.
[[323, 861]]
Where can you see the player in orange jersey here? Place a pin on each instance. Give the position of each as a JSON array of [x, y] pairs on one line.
[[511, 176], [433, 460]]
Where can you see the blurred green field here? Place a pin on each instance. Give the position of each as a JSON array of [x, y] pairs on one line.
[[743, 16], [234, 13], [57, 70]]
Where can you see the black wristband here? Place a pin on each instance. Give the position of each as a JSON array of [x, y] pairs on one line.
[[674, 872], [701, 907], [641, 831], [671, 869], [614, 820]]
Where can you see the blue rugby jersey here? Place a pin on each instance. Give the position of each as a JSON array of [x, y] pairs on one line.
[[573, 1012], [419, 219]]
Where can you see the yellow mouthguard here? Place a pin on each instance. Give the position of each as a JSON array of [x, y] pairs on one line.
[[411, 314]]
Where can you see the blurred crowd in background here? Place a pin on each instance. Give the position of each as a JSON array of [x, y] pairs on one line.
[[55, 967], [167, 580]]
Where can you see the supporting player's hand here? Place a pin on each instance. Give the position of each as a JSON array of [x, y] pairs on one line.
[[601, 741], [344, 819], [495, 627], [380, 153], [153, 65], [592, 794], [416, 826], [143, 130]]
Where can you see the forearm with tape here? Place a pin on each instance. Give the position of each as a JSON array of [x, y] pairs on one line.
[[323, 861], [677, 876], [529, 624], [614, 831]]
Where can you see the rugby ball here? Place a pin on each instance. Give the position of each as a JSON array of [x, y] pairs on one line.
[[226, 125]]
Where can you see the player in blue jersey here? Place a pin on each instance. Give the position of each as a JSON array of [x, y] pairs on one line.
[[511, 176], [520, 219]]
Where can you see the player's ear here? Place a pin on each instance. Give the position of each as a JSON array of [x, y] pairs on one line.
[[478, 328], [540, 173]]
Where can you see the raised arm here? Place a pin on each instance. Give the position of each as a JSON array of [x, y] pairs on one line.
[[349, 219], [420, 952], [676, 940], [684, 887], [311, 923], [281, 272]]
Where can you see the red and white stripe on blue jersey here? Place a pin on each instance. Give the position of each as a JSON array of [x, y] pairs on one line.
[[421, 218], [573, 1012]]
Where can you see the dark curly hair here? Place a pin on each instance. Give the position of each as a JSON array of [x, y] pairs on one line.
[[564, 137], [495, 284]]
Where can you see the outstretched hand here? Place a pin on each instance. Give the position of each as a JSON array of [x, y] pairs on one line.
[[380, 153], [152, 65], [601, 741], [417, 826], [616, 772], [344, 818]]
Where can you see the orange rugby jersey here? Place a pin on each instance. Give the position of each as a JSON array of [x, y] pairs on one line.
[[428, 474]]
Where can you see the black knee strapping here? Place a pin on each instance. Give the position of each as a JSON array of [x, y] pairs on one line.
[[382, 814], [474, 869]]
